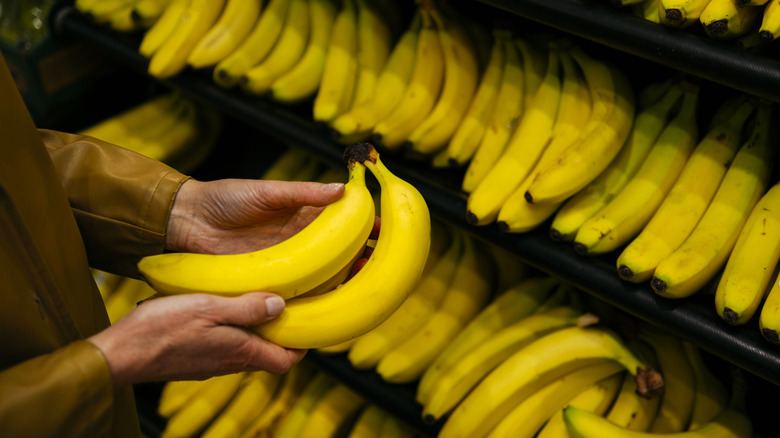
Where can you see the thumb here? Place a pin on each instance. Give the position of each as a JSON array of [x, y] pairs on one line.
[[250, 309], [299, 193]]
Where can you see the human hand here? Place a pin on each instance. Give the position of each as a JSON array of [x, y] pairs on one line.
[[233, 216], [193, 337]]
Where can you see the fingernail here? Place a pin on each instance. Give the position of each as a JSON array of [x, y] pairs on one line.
[[274, 306], [332, 187]]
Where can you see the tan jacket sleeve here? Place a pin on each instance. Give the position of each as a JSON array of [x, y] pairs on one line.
[[121, 199]]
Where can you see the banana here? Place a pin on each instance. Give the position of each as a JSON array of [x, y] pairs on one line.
[[529, 416], [294, 420], [232, 27], [360, 120], [534, 66], [461, 75], [726, 19], [630, 410], [163, 28], [507, 112], [288, 268], [369, 422], [469, 132], [681, 13], [393, 427], [422, 91], [210, 128], [645, 130], [510, 269], [631, 208], [535, 365], [375, 41], [426, 297], [125, 124], [252, 397], [196, 19], [711, 396], [769, 315], [509, 306], [769, 29], [106, 282], [403, 246], [600, 140], [101, 11], [285, 165], [181, 136], [466, 295], [146, 12], [648, 10], [455, 382], [674, 412], [333, 413], [285, 53], [583, 424], [122, 20], [525, 146], [334, 95], [255, 47], [707, 248], [176, 394], [686, 201], [516, 215], [203, 406], [126, 296], [752, 263]]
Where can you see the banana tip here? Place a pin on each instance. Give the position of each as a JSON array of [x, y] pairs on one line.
[[555, 235], [674, 16], [528, 197], [580, 249], [428, 419], [718, 27], [503, 226], [361, 152], [730, 316], [658, 285], [471, 218], [453, 163], [771, 335], [625, 272], [765, 35], [649, 382]]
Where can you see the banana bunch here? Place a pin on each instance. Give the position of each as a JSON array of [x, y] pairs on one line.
[[167, 127], [120, 294], [375, 422], [123, 15]]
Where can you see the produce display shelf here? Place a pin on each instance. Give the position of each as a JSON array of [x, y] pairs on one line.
[[687, 50], [691, 319]]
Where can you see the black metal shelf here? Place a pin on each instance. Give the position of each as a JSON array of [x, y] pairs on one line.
[[691, 319]]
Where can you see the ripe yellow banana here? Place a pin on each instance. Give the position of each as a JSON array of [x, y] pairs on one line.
[[285, 53], [375, 41], [534, 67], [630, 210], [360, 120], [186, 129], [176, 394], [334, 95], [126, 296], [255, 393], [285, 165], [163, 28], [707, 248], [630, 410], [369, 422], [751, 265], [230, 30], [393, 427], [255, 47], [147, 12], [466, 295], [333, 413], [687, 200], [647, 9], [601, 139], [507, 112], [529, 416], [769, 316], [726, 19], [469, 132], [681, 13], [769, 29], [122, 20], [525, 146], [711, 397], [294, 420], [116, 129], [583, 424], [456, 381], [645, 130], [511, 305], [403, 246], [288, 268], [461, 75], [422, 91], [535, 365], [102, 11]]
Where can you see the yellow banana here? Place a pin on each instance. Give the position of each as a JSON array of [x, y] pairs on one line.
[[726, 19], [680, 13], [647, 9], [466, 294], [126, 296], [461, 377], [294, 420], [393, 427], [525, 146], [687, 200], [510, 269], [369, 422], [203, 406], [533, 366], [749, 270], [375, 41], [252, 397], [461, 75], [116, 129], [334, 95], [707, 248], [196, 19], [769, 315], [529, 416], [600, 140], [769, 29], [630, 410], [180, 137], [288, 268], [163, 28], [122, 19], [645, 130], [403, 246], [147, 12], [534, 67], [507, 112], [102, 11], [230, 30], [511, 305], [176, 394], [333, 413], [255, 47], [285, 165], [711, 396], [422, 91], [287, 51], [631, 208], [469, 132]]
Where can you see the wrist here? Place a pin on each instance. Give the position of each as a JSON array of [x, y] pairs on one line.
[[181, 216]]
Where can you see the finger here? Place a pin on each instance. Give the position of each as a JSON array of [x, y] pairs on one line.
[[248, 309], [283, 194]]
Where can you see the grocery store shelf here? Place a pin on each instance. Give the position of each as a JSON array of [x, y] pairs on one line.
[[681, 49], [692, 319]]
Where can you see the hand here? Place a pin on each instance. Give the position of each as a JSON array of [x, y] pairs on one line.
[[193, 337], [233, 216]]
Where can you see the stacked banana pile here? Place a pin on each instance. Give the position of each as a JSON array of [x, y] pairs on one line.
[[167, 127], [120, 294], [751, 22]]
